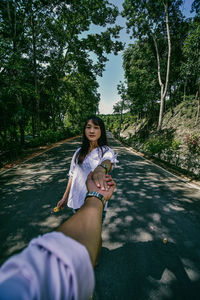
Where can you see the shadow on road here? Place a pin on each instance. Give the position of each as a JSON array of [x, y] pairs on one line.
[[28, 194], [143, 270], [149, 205]]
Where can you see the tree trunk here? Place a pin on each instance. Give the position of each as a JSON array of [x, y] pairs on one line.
[[37, 99], [121, 112], [169, 50], [162, 86], [11, 11], [53, 121], [22, 140], [161, 108], [198, 108], [21, 122], [33, 125], [184, 93], [136, 126]]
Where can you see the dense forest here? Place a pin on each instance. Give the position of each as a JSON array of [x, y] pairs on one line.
[[48, 81], [48, 74]]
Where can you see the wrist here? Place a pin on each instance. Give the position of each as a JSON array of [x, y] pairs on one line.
[[93, 202], [104, 166], [99, 168], [94, 194]]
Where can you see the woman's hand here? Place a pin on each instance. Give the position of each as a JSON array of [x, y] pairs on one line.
[[99, 178], [61, 204]]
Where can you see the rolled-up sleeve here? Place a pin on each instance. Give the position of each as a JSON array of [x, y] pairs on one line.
[[73, 164], [52, 267], [110, 155]]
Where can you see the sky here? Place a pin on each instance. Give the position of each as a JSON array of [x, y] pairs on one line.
[[114, 73]]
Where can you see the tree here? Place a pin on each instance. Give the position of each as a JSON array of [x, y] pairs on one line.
[[191, 51], [191, 66], [140, 74], [151, 19], [122, 104]]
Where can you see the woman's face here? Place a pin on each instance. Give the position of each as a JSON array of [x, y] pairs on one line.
[[92, 131]]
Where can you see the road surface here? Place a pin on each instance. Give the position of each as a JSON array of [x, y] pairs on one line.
[[149, 204]]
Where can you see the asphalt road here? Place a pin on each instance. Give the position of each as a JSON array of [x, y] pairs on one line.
[[148, 205]]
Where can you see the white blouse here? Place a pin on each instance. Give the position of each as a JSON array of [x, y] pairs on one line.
[[79, 173]]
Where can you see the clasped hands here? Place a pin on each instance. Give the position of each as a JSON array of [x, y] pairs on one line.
[[93, 187]]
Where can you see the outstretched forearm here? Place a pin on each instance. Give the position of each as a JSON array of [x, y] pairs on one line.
[[100, 172], [85, 226], [61, 204], [68, 188]]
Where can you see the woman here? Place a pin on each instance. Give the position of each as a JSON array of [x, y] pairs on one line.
[[94, 155]]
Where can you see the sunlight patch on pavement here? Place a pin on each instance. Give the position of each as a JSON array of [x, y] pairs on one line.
[[192, 274], [61, 180], [45, 206], [156, 197], [51, 222], [149, 197], [191, 270], [175, 207], [15, 242], [167, 276], [117, 210], [129, 218], [163, 290], [111, 245], [140, 218], [171, 221], [18, 246], [142, 236], [166, 209], [155, 217], [44, 177], [142, 194]]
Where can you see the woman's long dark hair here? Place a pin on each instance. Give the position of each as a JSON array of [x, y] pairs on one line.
[[102, 141]]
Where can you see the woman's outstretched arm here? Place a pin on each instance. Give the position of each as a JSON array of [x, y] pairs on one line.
[[61, 204]]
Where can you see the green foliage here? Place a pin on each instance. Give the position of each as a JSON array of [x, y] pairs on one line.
[[10, 150], [141, 76], [48, 137], [193, 143], [175, 144], [112, 122], [156, 144], [191, 66]]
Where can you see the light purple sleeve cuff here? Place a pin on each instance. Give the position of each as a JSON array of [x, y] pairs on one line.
[[54, 267]]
